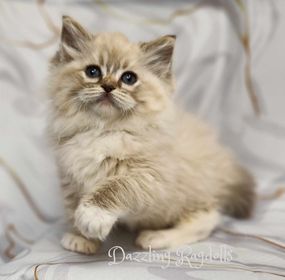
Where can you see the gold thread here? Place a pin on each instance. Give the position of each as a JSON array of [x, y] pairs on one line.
[[276, 194], [46, 17], [11, 244], [265, 239], [29, 44], [36, 272], [152, 21], [239, 267], [10, 228], [245, 41], [49, 23], [241, 4], [22, 187]]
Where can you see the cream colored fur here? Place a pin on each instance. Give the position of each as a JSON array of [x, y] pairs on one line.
[[137, 159]]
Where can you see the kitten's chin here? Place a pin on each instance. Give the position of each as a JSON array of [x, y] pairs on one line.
[[105, 110]]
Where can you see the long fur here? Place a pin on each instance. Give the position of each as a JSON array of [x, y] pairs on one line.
[[135, 159]]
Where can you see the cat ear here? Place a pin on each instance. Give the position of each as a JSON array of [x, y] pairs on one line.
[[73, 34], [158, 55], [73, 40]]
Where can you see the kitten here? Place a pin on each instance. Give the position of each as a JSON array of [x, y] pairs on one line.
[[126, 154]]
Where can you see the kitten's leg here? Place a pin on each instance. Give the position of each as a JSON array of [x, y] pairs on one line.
[[196, 227], [73, 240], [98, 211], [77, 243]]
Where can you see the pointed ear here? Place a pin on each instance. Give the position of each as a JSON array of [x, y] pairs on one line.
[[158, 55], [73, 40], [73, 34]]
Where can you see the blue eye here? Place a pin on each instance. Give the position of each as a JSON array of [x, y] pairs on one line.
[[129, 78], [93, 71]]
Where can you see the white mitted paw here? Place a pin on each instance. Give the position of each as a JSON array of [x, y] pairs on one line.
[[79, 244], [93, 221]]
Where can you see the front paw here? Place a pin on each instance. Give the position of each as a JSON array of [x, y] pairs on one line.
[[93, 221], [79, 244]]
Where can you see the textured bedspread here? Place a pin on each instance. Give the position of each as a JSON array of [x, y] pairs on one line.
[[229, 65]]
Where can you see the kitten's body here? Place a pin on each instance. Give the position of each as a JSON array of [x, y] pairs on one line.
[[148, 167]]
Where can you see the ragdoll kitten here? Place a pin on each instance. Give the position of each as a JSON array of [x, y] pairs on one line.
[[126, 154]]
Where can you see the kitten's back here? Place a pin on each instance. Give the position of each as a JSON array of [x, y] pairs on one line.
[[205, 160]]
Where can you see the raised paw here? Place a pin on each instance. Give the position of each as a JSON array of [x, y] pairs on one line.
[[79, 244], [93, 221]]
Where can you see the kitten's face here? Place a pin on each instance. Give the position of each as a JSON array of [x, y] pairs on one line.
[[108, 76]]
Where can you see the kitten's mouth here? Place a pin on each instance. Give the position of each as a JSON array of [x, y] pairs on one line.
[[105, 99]]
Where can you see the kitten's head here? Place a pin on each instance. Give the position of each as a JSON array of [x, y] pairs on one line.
[[108, 76]]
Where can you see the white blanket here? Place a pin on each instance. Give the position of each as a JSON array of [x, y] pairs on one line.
[[229, 66]]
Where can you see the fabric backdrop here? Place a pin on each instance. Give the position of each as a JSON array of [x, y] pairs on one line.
[[229, 66]]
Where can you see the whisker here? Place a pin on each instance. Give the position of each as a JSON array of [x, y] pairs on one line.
[[124, 101], [70, 100], [124, 105], [87, 96]]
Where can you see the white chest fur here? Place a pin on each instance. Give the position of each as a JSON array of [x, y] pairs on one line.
[[83, 155]]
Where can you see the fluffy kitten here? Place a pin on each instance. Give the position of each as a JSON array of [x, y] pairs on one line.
[[126, 154]]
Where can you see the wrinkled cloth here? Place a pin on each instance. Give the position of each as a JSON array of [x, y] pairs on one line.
[[229, 68]]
